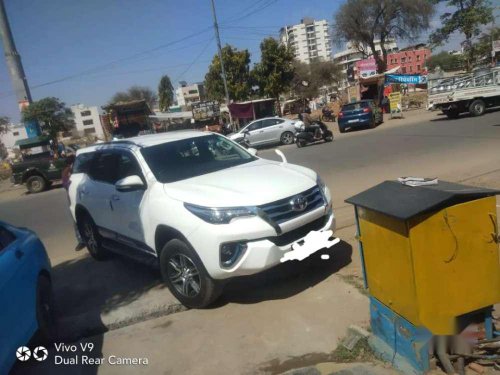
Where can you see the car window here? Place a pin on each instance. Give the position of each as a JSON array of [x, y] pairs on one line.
[[128, 166], [354, 106], [256, 125], [6, 238], [187, 158], [104, 167], [269, 122], [82, 162]]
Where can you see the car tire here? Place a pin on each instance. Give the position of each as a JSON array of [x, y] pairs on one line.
[[373, 123], [186, 276], [36, 184], [477, 108], [287, 138], [341, 129], [45, 312], [92, 238], [452, 113]]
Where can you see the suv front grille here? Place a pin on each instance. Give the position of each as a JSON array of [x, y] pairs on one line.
[[281, 210], [295, 234]]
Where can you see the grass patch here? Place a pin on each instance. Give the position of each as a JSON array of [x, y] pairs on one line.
[[360, 353], [356, 282]]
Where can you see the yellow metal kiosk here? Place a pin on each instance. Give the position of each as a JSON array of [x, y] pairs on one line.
[[430, 257]]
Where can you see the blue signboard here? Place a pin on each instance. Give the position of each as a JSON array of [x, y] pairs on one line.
[[32, 129], [415, 79]]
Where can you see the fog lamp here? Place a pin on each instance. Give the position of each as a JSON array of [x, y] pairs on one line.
[[231, 252]]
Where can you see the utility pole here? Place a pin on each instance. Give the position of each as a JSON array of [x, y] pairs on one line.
[[13, 60], [223, 71]]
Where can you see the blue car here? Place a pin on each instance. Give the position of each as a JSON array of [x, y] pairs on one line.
[[364, 113], [26, 304]]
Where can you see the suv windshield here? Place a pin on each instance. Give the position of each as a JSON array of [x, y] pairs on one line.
[[180, 160]]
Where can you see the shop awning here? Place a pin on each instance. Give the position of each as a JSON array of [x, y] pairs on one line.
[[33, 142]]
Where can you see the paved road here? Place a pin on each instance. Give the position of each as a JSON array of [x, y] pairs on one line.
[[453, 150], [450, 150]]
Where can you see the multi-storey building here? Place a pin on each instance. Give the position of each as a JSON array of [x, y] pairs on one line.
[[87, 120], [309, 39], [348, 57], [188, 94]]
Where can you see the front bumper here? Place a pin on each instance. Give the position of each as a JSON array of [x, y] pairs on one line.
[[264, 247]]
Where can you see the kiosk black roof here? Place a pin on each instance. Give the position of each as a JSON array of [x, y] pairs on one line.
[[404, 202]]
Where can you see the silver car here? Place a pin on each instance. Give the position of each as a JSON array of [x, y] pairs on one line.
[[267, 130]]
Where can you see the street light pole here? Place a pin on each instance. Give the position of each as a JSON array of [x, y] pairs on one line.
[[13, 60], [223, 71]]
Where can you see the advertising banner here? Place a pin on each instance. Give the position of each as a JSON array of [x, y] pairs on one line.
[[395, 104], [415, 79], [205, 110], [366, 68]]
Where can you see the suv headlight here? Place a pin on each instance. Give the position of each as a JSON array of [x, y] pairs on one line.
[[219, 215], [322, 188]]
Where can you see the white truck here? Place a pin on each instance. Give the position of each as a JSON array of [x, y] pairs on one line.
[[473, 92]]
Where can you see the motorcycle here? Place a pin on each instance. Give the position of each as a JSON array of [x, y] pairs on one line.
[[306, 136], [327, 115]]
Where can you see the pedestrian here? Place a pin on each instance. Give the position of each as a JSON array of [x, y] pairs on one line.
[[66, 172]]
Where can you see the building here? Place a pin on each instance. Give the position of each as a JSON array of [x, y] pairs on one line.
[[411, 60], [187, 94], [348, 57], [309, 39], [14, 134], [87, 120]]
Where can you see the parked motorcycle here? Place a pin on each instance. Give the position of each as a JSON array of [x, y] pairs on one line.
[[307, 135], [327, 115]]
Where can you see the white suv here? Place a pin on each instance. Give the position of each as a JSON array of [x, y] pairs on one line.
[[196, 203]]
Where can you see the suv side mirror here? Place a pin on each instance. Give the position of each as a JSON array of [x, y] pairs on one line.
[[130, 183]]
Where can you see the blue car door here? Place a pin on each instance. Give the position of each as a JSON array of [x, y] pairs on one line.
[[17, 296]]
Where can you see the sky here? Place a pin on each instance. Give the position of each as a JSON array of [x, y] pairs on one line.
[[85, 51]]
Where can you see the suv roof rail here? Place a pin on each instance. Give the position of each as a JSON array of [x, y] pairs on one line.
[[123, 142]]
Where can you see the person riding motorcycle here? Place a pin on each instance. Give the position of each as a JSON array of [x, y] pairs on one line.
[[310, 126], [327, 113]]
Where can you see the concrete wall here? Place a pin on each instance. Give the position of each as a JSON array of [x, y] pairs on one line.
[[15, 133]]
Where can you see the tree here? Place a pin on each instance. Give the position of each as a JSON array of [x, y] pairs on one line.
[[484, 46], [52, 115], [362, 22], [135, 93], [468, 17], [274, 73], [317, 74], [4, 123], [237, 67], [445, 61], [165, 93], [4, 128]]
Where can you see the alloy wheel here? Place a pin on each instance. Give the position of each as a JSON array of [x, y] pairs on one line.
[[287, 138], [90, 237], [184, 275]]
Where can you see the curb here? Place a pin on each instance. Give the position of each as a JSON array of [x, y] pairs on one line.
[[92, 323]]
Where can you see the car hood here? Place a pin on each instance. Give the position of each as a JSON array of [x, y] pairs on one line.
[[255, 183], [235, 135]]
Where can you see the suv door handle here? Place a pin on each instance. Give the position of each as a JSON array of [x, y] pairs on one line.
[[262, 131], [115, 197], [19, 254]]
